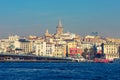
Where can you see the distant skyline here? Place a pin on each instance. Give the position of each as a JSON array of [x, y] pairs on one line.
[[33, 17]]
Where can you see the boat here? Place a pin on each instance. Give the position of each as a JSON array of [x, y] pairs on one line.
[[100, 60]]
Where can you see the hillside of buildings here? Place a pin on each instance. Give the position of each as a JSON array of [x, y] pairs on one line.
[[62, 44]]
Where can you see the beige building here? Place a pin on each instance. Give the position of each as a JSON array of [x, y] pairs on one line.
[[71, 44], [111, 50], [93, 39], [13, 38], [60, 50], [23, 44], [4, 44], [116, 40]]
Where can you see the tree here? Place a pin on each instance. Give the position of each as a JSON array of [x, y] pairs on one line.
[[85, 53], [92, 53]]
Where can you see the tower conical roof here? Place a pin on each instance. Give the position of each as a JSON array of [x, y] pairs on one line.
[[59, 23]]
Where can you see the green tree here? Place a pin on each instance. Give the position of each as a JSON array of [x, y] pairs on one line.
[[85, 53], [92, 53]]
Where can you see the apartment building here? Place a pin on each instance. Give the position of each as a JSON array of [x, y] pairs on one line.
[[111, 50]]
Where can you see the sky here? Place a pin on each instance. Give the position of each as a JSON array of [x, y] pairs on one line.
[[33, 17]]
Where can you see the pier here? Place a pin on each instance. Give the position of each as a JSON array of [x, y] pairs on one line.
[[23, 57]]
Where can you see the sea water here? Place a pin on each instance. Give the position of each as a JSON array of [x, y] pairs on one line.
[[59, 71]]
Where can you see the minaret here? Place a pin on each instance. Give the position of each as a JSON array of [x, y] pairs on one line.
[[46, 33], [59, 28]]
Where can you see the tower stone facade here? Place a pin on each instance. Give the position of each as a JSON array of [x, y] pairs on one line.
[[59, 28]]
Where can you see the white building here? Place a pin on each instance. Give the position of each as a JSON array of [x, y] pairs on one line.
[[67, 35], [40, 48], [86, 45], [50, 48], [89, 36], [17, 44], [23, 44], [111, 50], [13, 38]]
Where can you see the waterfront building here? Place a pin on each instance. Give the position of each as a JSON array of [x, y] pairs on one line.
[[40, 48], [7, 45], [50, 48], [33, 40], [70, 44], [4, 44], [74, 52], [111, 50], [60, 50], [23, 44]]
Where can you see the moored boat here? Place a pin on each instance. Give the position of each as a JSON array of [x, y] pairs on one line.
[[101, 60]]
